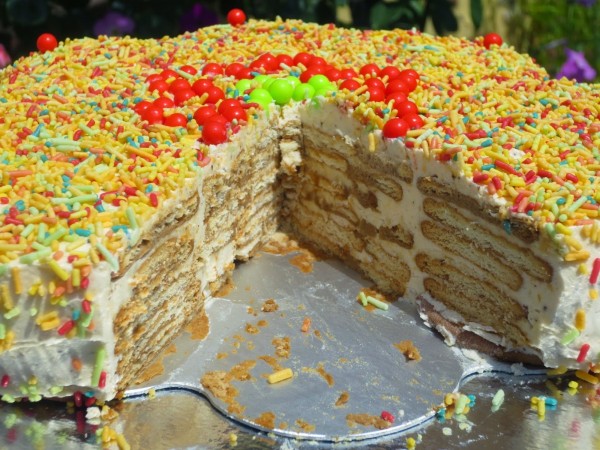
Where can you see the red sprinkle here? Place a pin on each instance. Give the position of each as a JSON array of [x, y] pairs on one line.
[[102, 380], [585, 348], [153, 199], [595, 271], [66, 327], [86, 306], [78, 399], [4, 381], [387, 416]]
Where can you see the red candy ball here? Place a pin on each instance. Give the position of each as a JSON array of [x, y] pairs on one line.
[[233, 69], [376, 94], [214, 94], [350, 84], [212, 69], [168, 73], [414, 121], [369, 69], [142, 106], [202, 85], [492, 39], [183, 95], [303, 58], [158, 85], [397, 85], [203, 113], [176, 120], [285, 59], [236, 17], [405, 108], [178, 85], [189, 69], [395, 128], [214, 132], [391, 72], [163, 102], [346, 74], [375, 82], [152, 115], [333, 74], [46, 42], [397, 96]]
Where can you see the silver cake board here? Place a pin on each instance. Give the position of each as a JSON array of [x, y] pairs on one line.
[[346, 369]]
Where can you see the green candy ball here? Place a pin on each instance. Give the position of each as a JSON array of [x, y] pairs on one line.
[[243, 85], [268, 82], [326, 91], [318, 81], [295, 81], [303, 91], [260, 96], [281, 90], [259, 80]]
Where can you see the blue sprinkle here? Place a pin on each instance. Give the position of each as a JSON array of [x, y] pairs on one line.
[[76, 314], [487, 166], [82, 232], [487, 143], [561, 201], [507, 227]]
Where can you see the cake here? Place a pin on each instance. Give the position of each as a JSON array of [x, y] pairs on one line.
[[125, 200]]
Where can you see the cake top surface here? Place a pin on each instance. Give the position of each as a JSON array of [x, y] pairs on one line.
[[84, 164]]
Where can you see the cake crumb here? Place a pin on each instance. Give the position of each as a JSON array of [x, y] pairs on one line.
[[282, 347], [305, 426], [409, 350], [270, 305], [251, 329], [199, 327], [367, 420], [343, 398], [266, 419]]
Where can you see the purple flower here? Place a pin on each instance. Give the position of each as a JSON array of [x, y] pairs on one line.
[[586, 3], [576, 67], [197, 16], [114, 24]]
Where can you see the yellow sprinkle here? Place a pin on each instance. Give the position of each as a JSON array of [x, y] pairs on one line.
[[560, 370], [580, 319], [586, 377], [7, 301], [371, 142], [581, 255], [18, 285], [281, 375], [593, 294], [59, 271], [50, 324]]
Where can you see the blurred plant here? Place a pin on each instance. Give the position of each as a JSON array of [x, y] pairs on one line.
[[562, 35]]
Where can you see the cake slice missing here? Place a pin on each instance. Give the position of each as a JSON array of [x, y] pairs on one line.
[[116, 225]]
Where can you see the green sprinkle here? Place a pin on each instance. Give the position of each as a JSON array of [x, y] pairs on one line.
[[98, 366], [8, 398], [131, 217], [2, 331], [60, 232], [497, 400], [3, 269], [461, 403], [578, 203], [377, 303], [86, 319], [29, 258], [570, 336], [92, 198], [363, 298], [55, 390], [10, 420], [27, 230], [114, 262], [33, 312], [12, 313]]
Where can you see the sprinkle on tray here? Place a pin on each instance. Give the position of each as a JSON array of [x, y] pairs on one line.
[[280, 375]]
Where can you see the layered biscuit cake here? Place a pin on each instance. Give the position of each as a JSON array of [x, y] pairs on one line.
[[135, 173]]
